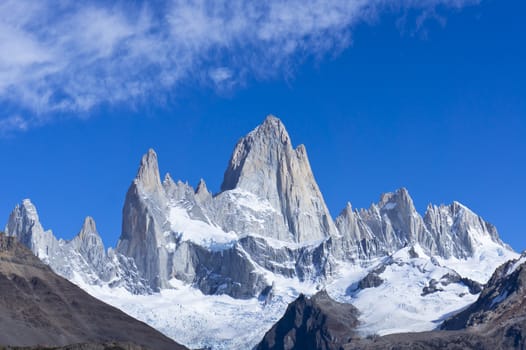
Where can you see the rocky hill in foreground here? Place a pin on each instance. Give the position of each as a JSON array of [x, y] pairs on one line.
[[39, 307]]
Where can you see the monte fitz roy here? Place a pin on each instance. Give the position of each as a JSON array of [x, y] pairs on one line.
[[220, 270]]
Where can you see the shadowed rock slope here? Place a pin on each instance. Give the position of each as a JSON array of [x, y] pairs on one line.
[[39, 307], [312, 323]]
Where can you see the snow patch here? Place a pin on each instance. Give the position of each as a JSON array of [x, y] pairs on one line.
[[250, 201], [482, 264], [516, 265], [389, 206], [199, 232]]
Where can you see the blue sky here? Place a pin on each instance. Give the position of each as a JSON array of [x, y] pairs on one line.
[[429, 95]]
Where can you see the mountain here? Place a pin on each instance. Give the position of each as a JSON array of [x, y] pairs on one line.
[[198, 265], [445, 231], [496, 320], [223, 243], [265, 165], [82, 260], [39, 307], [25, 224]]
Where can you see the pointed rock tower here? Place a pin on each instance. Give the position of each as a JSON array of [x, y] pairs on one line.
[[143, 216], [89, 244], [25, 225], [265, 164], [458, 231]]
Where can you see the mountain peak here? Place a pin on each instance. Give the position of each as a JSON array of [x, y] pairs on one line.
[[89, 226], [265, 164], [272, 123], [272, 119], [28, 209], [148, 174], [24, 224], [347, 211], [89, 243], [260, 151], [23, 220], [272, 130], [391, 200], [202, 194]]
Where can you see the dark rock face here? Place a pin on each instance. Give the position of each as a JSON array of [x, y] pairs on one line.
[[372, 280], [39, 307], [312, 323], [452, 277], [227, 271]]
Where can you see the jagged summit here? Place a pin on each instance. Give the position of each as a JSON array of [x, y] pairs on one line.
[[260, 149], [267, 235], [24, 215], [458, 230], [390, 199], [88, 227], [272, 129], [201, 186], [89, 243], [202, 194], [148, 174], [264, 163], [24, 224]]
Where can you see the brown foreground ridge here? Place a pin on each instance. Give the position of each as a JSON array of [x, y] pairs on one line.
[[41, 310]]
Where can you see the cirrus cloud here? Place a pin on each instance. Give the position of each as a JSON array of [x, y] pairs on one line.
[[68, 57]]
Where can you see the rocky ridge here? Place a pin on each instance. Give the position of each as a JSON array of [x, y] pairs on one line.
[[268, 223], [38, 307], [82, 260], [497, 320], [270, 217]]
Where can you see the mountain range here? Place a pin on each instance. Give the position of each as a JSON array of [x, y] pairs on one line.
[[220, 269]]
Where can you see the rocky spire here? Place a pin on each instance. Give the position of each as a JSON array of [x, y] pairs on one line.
[[24, 224], [256, 154], [356, 240], [201, 193], [457, 230], [89, 244], [406, 223], [265, 164], [144, 220], [148, 174]]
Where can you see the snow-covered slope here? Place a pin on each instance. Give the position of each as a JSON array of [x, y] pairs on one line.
[[82, 260], [416, 291], [202, 267]]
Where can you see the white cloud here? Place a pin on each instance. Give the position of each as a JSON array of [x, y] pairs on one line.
[[13, 123], [67, 57], [220, 75]]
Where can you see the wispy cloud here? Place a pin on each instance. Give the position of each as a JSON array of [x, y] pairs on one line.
[[67, 57], [13, 123]]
